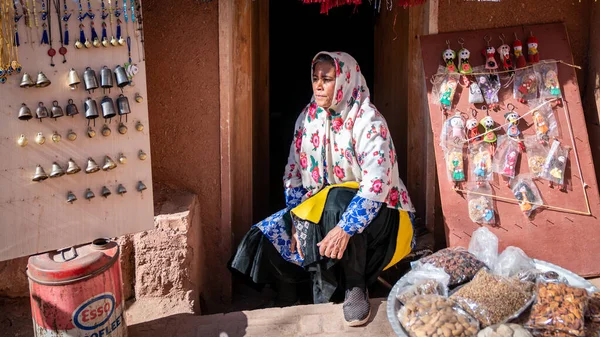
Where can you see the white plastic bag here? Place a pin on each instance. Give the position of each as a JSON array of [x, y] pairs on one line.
[[425, 279], [511, 262], [484, 245]]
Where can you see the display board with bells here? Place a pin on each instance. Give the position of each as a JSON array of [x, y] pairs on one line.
[[74, 134]]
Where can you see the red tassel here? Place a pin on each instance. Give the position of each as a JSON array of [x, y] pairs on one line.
[[326, 5], [410, 3]]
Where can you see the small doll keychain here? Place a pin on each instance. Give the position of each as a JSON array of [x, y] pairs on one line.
[[449, 56], [473, 133], [551, 83], [510, 162], [525, 196], [532, 49], [455, 165], [490, 55], [504, 52], [448, 88], [453, 132], [512, 128], [541, 127], [464, 54], [489, 136], [555, 165], [518, 50]]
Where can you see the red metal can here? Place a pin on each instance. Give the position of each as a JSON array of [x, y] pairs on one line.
[[77, 292]]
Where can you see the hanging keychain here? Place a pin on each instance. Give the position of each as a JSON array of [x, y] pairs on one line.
[[473, 133], [556, 164], [518, 50], [17, 18], [62, 50], [83, 41], [90, 14], [449, 56], [489, 135], [464, 54], [504, 52], [512, 128], [480, 160], [490, 55], [453, 131], [104, 15], [66, 16], [532, 49], [527, 194], [44, 13], [51, 51]]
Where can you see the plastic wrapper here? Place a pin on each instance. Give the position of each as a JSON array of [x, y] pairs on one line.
[[527, 193], [481, 207], [526, 85], [493, 299], [475, 94], [444, 87], [558, 308], [593, 312], [424, 280], [544, 122], [506, 157], [513, 261], [480, 162], [549, 84], [484, 245], [504, 330], [453, 132], [556, 163], [457, 262], [434, 315], [455, 164], [489, 85], [536, 156]]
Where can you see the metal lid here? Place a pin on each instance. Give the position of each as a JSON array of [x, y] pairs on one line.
[[73, 264]]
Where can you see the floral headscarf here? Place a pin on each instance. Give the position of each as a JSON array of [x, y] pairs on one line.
[[348, 142]]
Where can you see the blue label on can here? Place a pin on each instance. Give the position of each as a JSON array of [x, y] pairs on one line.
[[94, 312]]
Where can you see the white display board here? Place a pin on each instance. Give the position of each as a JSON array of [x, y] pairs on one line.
[[35, 216]]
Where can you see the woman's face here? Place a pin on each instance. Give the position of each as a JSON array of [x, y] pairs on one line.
[[324, 84]]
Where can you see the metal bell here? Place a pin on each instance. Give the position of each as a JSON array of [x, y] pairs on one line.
[[89, 194], [74, 79], [22, 141], [139, 126], [121, 76], [57, 171], [138, 97], [91, 132], [108, 107], [105, 131], [73, 167], [72, 108], [56, 110], [121, 189], [123, 106], [91, 109], [140, 186], [40, 174], [25, 113], [142, 155], [92, 166], [106, 79], [71, 197], [71, 135], [26, 81], [105, 192], [39, 138], [56, 137], [122, 158], [109, 164], [90, 80], [42, 80], [41, 112], [122, 128], [96, 43]]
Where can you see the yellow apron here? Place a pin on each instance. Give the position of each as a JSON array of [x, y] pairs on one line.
[[312, 208]]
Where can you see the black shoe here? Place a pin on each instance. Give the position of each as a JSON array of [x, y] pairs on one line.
[[357, 308]]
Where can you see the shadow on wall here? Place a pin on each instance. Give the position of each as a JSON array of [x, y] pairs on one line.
[[187, 325]]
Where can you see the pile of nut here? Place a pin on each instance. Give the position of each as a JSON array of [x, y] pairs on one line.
[[504, 330], [593, 312], [559, 308], [436, 316], [456, 262], [427, 287], [493, 299]]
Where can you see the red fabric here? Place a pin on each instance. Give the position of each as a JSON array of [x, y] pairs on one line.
[[326, 5]]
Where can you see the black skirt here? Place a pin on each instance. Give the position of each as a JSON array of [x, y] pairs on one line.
[[365, 257]]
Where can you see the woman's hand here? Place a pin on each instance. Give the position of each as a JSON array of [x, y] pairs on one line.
[[295, 243], [334, 244]]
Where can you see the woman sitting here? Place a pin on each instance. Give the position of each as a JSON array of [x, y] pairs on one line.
[[348, 215]]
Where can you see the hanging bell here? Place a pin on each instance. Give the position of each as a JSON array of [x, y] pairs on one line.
[[109, 164], [123, 106], [89, 194], [26, 81], [25, 113], [39, 175], [105, 192], [142, 155], [122, 128], [138, 97], [92, 166], [105, 130], [121, 189], [22, 141], [90, 80], [42, 80], [121, 41], [91, 109], [71, 197], [74, 79], [56, 137], [139, 126], [57, 171], [72, 108], [114, 41], [56, 110], [106, 79], [71, 135], [105, 42], [96, 43], [91, 132], [141, 186], [39, 138], [122, 158], [73, 167], [41, 112], [108, 108], [121, 76]]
